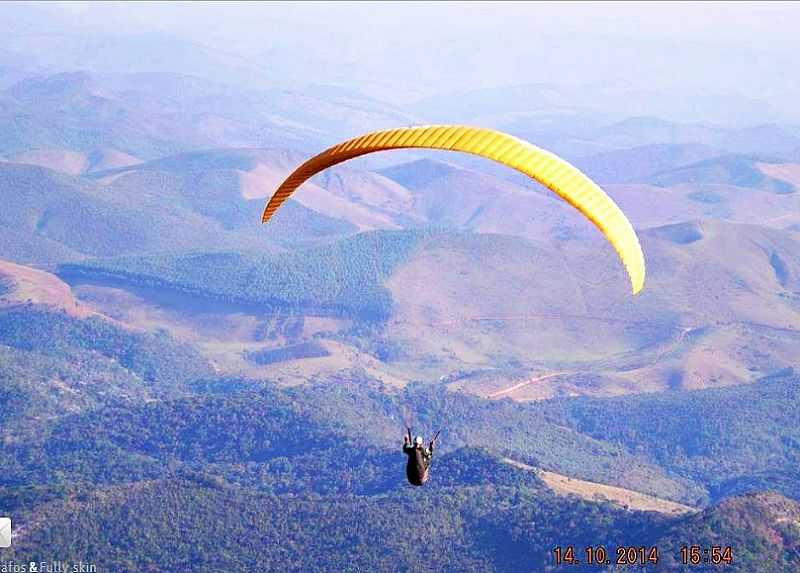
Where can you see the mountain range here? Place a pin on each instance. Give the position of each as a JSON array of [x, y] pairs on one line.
[[245, 386]]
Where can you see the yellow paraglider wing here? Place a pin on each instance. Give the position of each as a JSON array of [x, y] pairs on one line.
[[551, 171]]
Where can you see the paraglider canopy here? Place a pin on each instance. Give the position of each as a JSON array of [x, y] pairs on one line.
[[563, 179]]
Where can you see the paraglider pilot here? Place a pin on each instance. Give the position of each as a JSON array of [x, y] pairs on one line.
[[419, 458]]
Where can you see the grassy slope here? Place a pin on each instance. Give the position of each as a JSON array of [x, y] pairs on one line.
[[742, 171], [344, 278], [25, 285], [150, 213], [489, 312]]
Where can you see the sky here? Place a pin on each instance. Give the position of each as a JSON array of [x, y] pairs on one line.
[[404, 51], [720, 22]]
